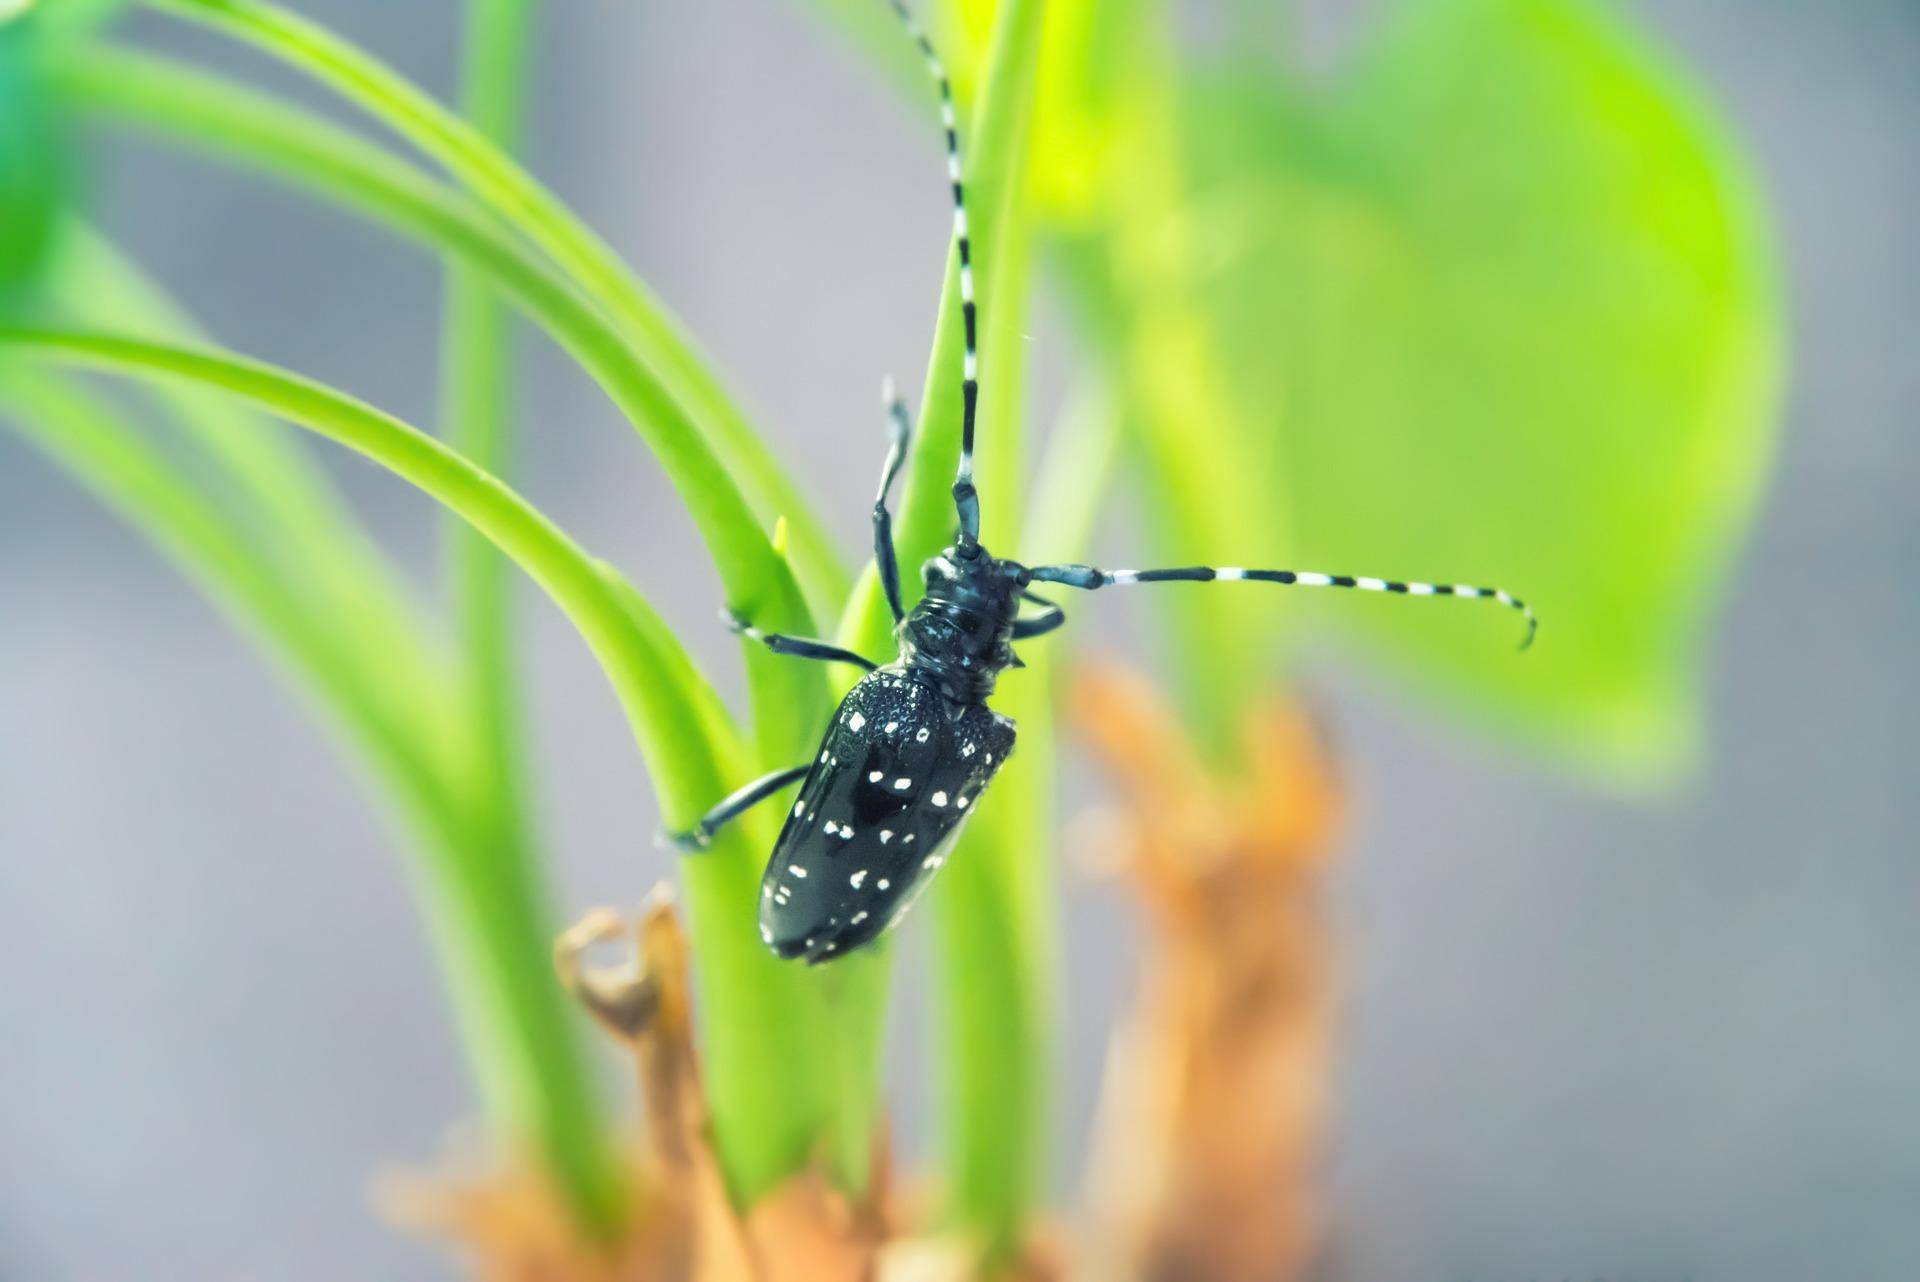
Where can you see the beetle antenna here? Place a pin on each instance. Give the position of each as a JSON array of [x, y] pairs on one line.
[[1089, 578], [966, 499]]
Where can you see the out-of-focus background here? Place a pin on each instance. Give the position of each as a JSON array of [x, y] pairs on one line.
[[1584, 1036]]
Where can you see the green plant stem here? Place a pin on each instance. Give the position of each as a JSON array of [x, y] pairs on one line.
[[993, 899], [478, 411], [478, 414], [527, 206], [997, 962]]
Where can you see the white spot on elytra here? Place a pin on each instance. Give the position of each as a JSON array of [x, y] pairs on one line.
[[886, 835], [857, 918], [908, 839], [798, 872], [873, 776], [902, 784], [939, 798], [856, 722], [967, 751], [892, 726], [857, 878], [931, 861], [828, 827], [883, 884], [798, 807], [960, 802], [922, 736], [823, 756]]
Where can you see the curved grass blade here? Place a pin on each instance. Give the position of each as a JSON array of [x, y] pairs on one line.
[[766, 1124], [531, 1070], [207, 111], [288, 502], [201, 110], [530, 208]]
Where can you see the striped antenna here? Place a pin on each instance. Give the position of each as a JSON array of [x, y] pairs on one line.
[[1089, 578], [965, 498]]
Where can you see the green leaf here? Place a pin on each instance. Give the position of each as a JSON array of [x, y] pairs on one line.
[[755, 1010], [63, 19], [741, 492], [35, 170], [487, 917], [1503, 307], [759, 1011]]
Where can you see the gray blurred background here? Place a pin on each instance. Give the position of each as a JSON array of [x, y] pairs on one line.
[[1584, 1037]]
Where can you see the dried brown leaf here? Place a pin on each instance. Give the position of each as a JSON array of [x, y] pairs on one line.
[[1211, 1112]]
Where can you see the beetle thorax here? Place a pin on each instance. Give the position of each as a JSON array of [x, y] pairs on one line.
[[959, 634]]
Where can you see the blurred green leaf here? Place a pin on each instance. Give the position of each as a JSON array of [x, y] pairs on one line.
[[62, 19], [36, 146], [34, 171], [1502, 303]]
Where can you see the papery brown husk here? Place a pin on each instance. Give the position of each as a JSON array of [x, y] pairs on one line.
[[684, 1228], [1209, 1130]]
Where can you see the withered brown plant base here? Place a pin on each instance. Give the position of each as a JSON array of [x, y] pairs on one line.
[[1210, 1118], [1216, 1082]]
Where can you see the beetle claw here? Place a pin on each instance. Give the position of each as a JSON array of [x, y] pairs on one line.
[[690, 842]]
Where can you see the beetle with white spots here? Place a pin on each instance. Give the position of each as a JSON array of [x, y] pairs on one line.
[[914, 743]]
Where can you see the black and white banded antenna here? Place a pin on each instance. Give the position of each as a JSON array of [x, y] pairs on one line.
[[1088, 577], [966, 499]]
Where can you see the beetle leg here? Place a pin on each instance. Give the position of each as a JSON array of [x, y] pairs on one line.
[[799, 647], [700, 836]]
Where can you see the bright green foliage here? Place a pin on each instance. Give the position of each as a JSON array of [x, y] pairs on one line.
[[1492, 304], [34, 145], [1499, 305]]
